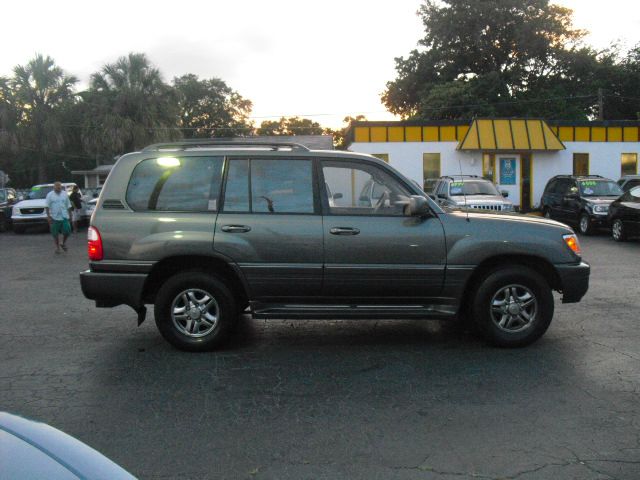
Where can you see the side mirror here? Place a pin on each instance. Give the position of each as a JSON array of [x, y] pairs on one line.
[[336, 196], [417, 206], [504, 193], [442, 195]]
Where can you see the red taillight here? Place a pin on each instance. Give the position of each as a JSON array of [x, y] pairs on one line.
[[95, 244]]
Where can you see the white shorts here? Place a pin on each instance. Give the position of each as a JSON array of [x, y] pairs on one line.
[[75, 215]]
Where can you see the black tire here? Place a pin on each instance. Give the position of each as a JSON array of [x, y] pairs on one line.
[[522, 280], [585, 226], [169, 297], [618, 232], [18, 229]]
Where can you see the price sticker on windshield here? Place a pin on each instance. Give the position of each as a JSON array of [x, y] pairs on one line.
[[588, 183], [457, 184]]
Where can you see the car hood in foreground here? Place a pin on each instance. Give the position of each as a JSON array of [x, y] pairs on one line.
[[31, 449], [508, 217]]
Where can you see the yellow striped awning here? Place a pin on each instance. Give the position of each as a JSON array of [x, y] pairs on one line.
[[510, 134]]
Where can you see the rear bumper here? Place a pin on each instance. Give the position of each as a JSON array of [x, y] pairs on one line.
[[113, 289], [575, 281]]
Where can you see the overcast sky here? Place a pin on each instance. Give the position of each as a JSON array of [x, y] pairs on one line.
[[323, 59]]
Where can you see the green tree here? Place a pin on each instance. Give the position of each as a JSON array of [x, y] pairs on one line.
[[127, 107], [481, 58], [33, 101], [210, 108], [290, 126], [340, 139]]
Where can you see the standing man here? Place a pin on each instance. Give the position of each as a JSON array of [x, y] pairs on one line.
[[76, 201], [58, 213]]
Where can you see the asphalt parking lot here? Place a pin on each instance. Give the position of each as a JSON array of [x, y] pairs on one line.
[[327, 400]]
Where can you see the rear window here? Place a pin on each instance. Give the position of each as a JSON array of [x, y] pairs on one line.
[[190, 184]]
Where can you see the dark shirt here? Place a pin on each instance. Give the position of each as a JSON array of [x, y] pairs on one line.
[[76, 200]]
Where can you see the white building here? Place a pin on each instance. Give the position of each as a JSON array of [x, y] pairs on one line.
[[519, 155]]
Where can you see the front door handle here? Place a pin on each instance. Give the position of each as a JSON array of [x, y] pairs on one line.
[[344, 231], [236, 228]]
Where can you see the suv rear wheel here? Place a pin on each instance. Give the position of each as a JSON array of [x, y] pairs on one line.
[[195, 311], [513, 306]]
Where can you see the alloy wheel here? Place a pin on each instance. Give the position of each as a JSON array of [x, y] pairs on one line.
[[195, 312], [514, 308], [617, 230], [584, 224]]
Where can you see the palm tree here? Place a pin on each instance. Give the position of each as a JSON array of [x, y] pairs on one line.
[[40, 92], [127, 106]]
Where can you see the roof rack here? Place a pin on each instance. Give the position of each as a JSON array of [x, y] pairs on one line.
[[570, 175], [453, 177], [224, 142]]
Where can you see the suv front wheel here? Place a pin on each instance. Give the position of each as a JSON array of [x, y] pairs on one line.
[[195, 311], [513, 306], [584, 224]]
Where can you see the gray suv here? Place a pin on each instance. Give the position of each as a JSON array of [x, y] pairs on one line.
[[470, 191], [206, 230]]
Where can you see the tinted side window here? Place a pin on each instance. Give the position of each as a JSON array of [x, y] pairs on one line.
[[236, 193], [272, 186], [282, 186], [631, 183], [190, 184], [551, 186], [562, 186], [360, 189]]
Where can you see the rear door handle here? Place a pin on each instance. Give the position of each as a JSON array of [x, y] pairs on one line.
[[236, 228], [344, 231]]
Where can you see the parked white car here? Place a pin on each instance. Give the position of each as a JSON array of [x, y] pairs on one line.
[[31, 211]]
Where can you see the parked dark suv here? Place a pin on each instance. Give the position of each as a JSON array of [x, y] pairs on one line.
[[580, 200], [205, 230]]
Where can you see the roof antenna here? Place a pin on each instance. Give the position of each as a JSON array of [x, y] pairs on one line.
[[463, 194]]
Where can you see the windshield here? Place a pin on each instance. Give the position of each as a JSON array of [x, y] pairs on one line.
[[473, 187], [37, 193], [599, 188]]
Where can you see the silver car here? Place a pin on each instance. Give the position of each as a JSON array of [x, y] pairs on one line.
[[471, 191]]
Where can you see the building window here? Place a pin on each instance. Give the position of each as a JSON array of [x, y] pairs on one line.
[[629, 164], [489, 166], [430, 170], [581, 164], [382, 156]]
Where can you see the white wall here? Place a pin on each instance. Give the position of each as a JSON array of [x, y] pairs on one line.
[[407, 157], [604, 159]]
